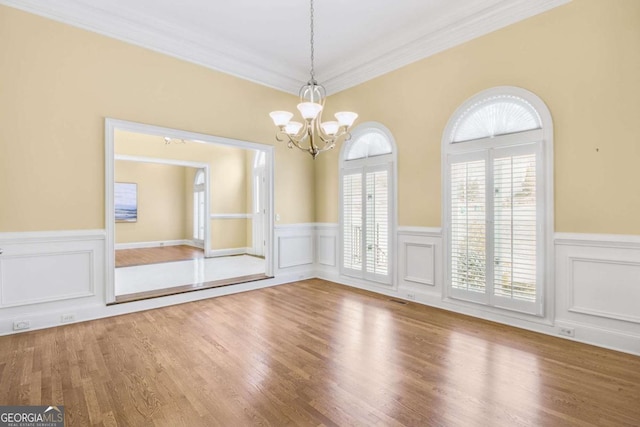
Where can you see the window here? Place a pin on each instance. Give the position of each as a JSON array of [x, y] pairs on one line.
[[198, 206], [367, 213], [498, 200]]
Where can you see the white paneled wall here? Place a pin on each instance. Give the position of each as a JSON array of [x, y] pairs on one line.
[[597, 279], [598, 288], [49, 271], [419, 260], [597, 284], [294, 247]]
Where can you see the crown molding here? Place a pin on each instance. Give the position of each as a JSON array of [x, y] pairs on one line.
[[406, 48], [166, 38], [227, 57]]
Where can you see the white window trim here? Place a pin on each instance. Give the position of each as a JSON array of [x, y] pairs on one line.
[[197, 220], [546, 213], [386, 159]]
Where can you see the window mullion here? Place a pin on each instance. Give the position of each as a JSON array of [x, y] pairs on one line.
[[490, 224]]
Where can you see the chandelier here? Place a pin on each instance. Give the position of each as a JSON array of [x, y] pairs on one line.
[[312, 135]]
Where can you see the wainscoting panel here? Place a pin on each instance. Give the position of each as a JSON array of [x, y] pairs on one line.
[[294, 246], [327, 250], [295, 250], [35, 278], [605, 288], [419, 263], [45, 267], [598, 288], [419, 259]]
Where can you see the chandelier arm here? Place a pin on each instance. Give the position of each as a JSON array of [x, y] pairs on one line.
[[291, 141], [313, 148]]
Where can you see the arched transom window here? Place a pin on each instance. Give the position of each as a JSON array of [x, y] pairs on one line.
[[498, 212]]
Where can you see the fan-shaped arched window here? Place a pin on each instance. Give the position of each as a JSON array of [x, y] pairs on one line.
[[370, 144], [495, 115], [367, 209], [498, 200]]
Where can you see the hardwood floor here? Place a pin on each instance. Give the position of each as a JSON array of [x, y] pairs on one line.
[[144, 256], [315, 353]]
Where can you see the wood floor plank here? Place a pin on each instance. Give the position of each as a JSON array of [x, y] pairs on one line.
[[145, 256], [315, 353]]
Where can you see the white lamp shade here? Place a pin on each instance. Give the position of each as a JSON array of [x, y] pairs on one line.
[[292, 128], [281, 118], [330, 128], [346, 118], [309, 110]]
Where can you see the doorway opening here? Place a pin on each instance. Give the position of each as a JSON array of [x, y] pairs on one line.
[[199, 211]]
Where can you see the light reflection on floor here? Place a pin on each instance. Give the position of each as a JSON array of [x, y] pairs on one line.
[[478, 371]]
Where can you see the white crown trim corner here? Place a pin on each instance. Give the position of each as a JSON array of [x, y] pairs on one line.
[[228, 57], [406, 48], [220, 55]]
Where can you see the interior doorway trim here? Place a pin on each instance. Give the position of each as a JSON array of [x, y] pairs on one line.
[[112, 125]]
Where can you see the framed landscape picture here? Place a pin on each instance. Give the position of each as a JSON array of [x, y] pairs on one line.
[[126, 201]]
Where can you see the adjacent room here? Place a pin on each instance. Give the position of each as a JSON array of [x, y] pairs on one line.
[[408, 213], [188, 215]]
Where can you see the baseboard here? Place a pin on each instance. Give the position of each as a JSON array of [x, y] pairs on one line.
[[158, 244], [228, 252]]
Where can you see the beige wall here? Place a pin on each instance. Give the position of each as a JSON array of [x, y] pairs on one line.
[[57, 85], [582, 59], [228, 181], [161, 194]]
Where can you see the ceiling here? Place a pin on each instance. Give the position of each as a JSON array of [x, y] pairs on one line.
[[267, 41]]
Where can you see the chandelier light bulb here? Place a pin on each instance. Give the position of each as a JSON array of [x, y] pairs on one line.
[[330, 128], [292, 128], [281, 118], [309, 110], [346, 118]]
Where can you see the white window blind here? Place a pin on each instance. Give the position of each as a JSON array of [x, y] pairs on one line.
[[515, 227], [377, 226], [366, 223], [352, 221], [493, 227], [468, 226]]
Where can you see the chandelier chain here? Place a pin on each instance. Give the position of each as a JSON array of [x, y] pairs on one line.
[[312, 72], [312, 135]]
